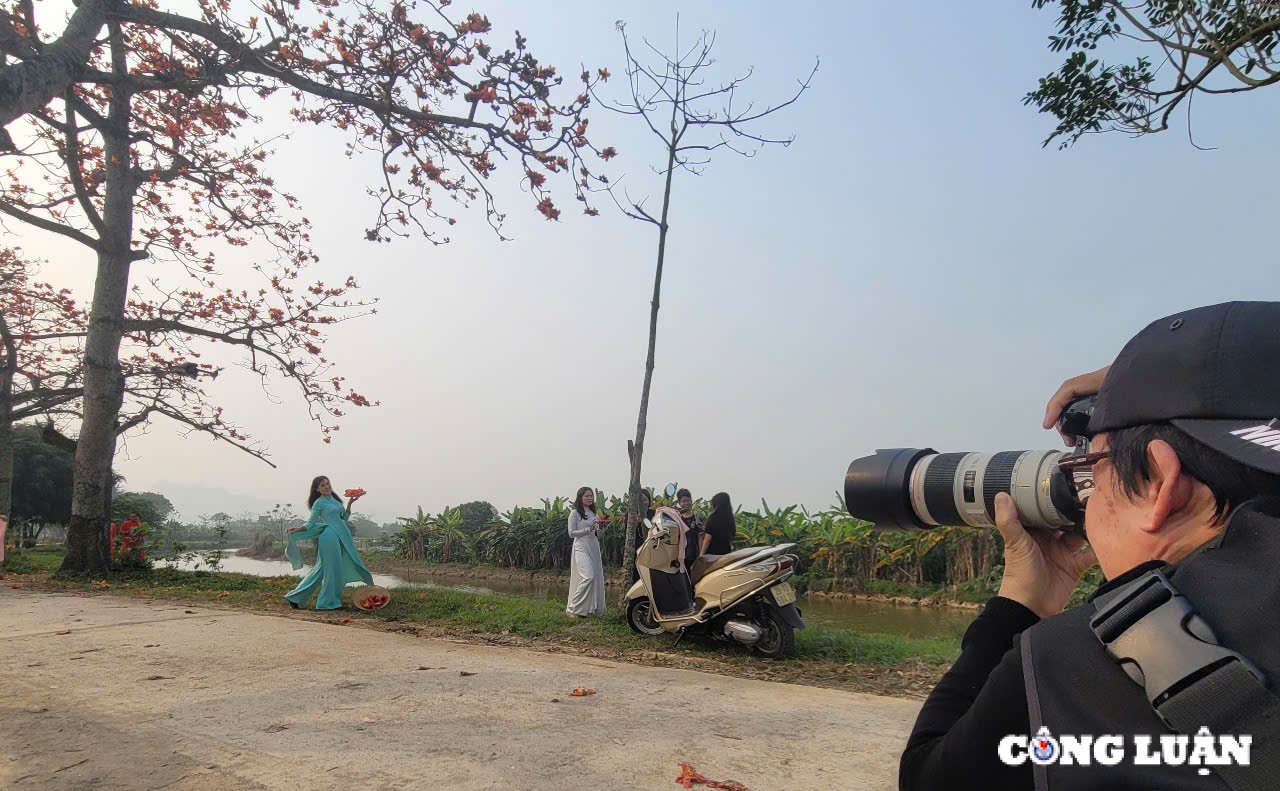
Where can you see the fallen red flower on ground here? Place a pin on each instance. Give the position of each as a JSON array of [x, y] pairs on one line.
[[689, 777]]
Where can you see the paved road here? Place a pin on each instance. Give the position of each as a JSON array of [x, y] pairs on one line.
[[101, 692]]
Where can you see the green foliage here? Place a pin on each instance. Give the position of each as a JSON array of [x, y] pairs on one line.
[[151, 508], [834, 550], [218, 524], [41, 478], [43, 559], [476, 516], [1087, 585], [202, 544], [528, 538], [1193, 45], [132, 562]]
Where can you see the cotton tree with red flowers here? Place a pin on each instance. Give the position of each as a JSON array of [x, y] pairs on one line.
[[130, 132]]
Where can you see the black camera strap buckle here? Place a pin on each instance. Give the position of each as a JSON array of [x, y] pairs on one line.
[[1191, 681], [1159, 638]]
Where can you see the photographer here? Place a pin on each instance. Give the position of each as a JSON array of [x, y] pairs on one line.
[[1184, 448]]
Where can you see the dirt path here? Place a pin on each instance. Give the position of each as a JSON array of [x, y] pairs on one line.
[[104, 693]]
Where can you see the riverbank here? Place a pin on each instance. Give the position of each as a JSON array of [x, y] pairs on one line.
[[825, 657], [386, 563], [897, 600]]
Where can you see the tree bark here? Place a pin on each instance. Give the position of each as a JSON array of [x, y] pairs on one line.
[[7, 370], [637, 448], [33, 83], [87, 535], [6, 455]]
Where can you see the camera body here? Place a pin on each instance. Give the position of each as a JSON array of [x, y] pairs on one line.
[[920, 489]]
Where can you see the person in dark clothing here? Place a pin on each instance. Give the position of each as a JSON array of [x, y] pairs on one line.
[[693, 549], [720, 529], [685, 506], [1184, 448]]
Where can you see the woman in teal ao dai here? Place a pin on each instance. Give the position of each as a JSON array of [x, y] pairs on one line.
[[337, 563]]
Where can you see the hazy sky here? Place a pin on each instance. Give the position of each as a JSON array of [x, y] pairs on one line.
[[914, 270]]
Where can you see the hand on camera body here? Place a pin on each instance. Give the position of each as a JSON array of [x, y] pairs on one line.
[[1075, 387]]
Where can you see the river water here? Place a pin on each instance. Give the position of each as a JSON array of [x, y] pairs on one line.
[[860, 616]]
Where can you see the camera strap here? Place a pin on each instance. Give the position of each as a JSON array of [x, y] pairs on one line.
[[1191, 681]]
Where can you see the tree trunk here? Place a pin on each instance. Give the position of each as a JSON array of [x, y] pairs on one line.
[[637, 448], [6, 462], [87, 535], [6, 420]]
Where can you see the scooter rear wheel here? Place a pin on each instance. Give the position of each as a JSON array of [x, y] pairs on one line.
[[640, 617], [779, 637]]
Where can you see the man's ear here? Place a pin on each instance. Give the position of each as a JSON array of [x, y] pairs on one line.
[[1168, 490]]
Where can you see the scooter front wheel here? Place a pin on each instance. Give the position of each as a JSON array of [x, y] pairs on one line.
[[640, 617]]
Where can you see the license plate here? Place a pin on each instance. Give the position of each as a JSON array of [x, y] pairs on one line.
[[784, 594]]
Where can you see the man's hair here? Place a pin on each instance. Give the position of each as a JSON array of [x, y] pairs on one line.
[[683, 493], [1230, 482]]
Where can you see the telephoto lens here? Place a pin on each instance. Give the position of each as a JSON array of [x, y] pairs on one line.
[[920, 489]]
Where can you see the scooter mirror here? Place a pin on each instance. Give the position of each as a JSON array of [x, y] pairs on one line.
[[670, 490]]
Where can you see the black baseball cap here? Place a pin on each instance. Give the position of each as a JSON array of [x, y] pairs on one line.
[[1213, 372]]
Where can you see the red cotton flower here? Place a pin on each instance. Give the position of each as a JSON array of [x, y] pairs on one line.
[[548, 209]]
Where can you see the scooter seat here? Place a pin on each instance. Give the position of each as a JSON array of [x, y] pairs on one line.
[[709, 563]]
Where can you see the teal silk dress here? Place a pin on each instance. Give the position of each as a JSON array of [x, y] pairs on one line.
[[337, 563]]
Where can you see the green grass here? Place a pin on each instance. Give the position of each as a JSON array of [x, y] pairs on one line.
[[43, 559], [481, 615], [847, 646]]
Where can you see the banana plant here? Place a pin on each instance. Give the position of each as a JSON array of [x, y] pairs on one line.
[[839, 544], [446, 529], [753, 531], [837, 537], [414, 537]]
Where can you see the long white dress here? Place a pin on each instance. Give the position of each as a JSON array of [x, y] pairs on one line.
[[586, 568]]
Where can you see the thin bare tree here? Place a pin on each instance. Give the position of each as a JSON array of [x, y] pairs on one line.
[[693, 118]]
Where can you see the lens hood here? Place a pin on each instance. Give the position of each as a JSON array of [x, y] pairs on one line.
[[878, 488]]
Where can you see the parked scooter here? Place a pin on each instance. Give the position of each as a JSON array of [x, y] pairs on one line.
[[742, 596]]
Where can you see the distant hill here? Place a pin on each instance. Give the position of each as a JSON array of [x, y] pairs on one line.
[[192, 500]]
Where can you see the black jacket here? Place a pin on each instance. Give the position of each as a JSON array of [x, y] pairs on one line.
[[1076, 688]]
